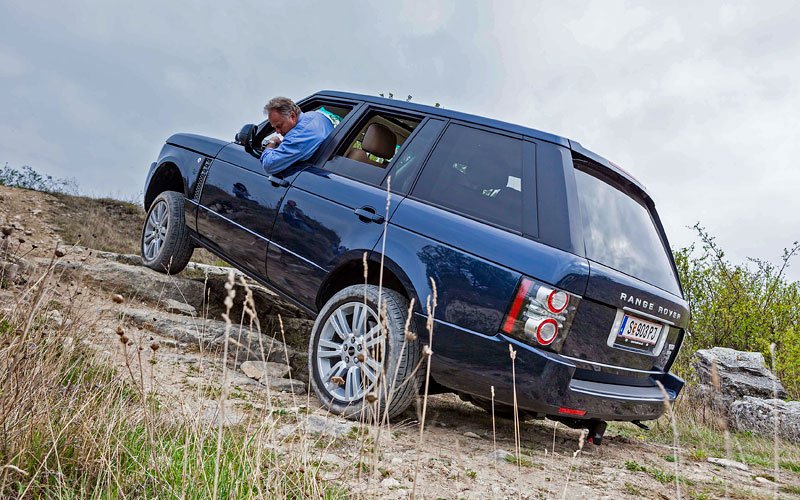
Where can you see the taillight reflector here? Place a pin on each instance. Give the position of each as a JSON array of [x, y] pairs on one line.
[[547, 331], [572, 411], [557, 301], [524, 286]]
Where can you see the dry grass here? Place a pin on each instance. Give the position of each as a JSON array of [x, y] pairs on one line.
[[73, 426], [106, 224]]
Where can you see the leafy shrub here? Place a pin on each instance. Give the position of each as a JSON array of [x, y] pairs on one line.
[[745, 306], [28, 178]]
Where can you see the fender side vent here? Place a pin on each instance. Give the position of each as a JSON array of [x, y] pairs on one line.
[[201, 179]]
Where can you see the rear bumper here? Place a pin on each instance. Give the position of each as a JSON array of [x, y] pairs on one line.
[[545, 382]]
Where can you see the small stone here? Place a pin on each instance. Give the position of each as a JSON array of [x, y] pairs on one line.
[[331, 458], [317, 424], [264, 369], [7, 230], [500, 455], [471, 435], [60, 253], [728, 463], [55, 317], [390, 482], [8, 271], [762, 480], [287, 385], [117, 298], [36, 211], [175, 306]]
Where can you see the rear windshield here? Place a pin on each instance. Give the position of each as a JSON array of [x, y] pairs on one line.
[[620, 233]]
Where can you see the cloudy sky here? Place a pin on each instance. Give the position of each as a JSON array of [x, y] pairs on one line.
[[700, 101]]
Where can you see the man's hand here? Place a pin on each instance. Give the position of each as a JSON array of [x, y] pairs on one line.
[[274, 142]]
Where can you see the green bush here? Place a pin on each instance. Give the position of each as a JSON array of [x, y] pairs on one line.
[[747, 306]]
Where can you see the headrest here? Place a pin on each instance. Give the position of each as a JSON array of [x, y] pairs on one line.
[[379, 141]]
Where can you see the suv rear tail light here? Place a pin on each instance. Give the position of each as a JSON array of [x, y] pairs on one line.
[[540, 314]]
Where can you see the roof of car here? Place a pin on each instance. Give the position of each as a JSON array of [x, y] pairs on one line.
[[481, 120]]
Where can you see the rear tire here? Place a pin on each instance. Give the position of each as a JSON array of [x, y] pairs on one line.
[[165, 245], [352, 362]]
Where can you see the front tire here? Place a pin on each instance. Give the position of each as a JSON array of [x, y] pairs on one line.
[[353, 360], [165, 244]]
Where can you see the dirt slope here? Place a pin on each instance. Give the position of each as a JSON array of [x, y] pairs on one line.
[[457, 457]]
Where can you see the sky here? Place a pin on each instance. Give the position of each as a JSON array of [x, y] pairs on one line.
[[700, 101]]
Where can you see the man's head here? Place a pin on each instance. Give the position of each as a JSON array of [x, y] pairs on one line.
[[282, 114]]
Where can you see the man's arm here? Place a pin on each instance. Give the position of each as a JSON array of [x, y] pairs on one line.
[[299, 144]]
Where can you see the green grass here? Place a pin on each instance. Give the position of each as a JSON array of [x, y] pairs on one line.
[[523, 461], [659, 475], [703, 441], [794, 490], [790, 466]]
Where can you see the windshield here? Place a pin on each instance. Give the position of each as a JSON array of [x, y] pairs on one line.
[[620, 233]]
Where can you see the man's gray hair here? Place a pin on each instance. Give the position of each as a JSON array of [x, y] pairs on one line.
[[282, 105]]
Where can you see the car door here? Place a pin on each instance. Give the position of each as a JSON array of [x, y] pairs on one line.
[[239, 201], [334, 211]]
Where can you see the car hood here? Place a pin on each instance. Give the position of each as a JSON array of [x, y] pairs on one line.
[[207, 146]]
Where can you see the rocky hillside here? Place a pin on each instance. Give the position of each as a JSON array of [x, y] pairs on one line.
[[177, 368]]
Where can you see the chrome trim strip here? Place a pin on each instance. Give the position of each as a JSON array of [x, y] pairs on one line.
[[616, 396], [649, 316], [262, 237], [298, 256], [621, 368]]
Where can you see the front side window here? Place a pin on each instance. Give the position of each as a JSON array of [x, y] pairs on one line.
[[620, 233], [475, 173], [333, 111]]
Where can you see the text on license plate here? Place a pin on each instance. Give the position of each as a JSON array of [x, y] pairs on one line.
[[637, 330]]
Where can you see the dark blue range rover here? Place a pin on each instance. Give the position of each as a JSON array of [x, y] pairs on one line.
[[531, 240]]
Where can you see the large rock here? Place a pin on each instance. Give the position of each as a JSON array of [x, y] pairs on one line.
[[135, 282], [204, 292], [243, 344], [762, 416], [739, 374]]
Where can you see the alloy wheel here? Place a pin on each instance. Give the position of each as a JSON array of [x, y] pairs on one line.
[[155, 230], [350, 351]]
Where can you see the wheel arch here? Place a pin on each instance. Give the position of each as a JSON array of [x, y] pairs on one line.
[[167, 177], [351, 272]]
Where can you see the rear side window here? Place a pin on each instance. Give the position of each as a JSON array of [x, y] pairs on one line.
[[475, 173], [620, 233]]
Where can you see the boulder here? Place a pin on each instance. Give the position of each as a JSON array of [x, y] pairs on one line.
[[739, 374], [762, 416]]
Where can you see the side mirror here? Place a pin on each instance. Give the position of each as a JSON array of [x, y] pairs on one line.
[[246, 136]]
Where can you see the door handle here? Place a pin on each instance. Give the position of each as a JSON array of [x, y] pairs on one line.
[[367, 214], [277, 181]]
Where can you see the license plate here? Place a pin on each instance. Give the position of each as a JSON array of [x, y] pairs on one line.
[[637, 332]]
